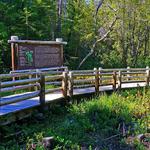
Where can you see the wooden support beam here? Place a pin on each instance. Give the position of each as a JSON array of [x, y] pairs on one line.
[[64, 84], [37, 42], [70, 84], [100, 75], [66, 69], [37, 75], [31, 89], [119, 80], [13, 58], [128, 73], [13, 54], [147, 76], [96, 72], [114, 80], [0, 89], [42, 90]]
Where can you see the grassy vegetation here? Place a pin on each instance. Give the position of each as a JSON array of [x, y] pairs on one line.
[[105, 122]]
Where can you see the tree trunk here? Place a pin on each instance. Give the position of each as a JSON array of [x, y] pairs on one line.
[[59, 14]]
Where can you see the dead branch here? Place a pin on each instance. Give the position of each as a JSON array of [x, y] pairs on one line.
[[97, 41], [99, 6], [111, 8], [113, 136]]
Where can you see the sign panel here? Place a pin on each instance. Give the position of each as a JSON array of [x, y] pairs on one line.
[[31, 56]]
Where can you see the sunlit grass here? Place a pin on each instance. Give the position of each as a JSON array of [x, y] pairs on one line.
[[91, 122]]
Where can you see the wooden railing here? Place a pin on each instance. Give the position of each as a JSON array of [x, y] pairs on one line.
[[32, 87], [63, 81], [40, 70]]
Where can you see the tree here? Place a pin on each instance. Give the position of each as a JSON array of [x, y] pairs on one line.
[[91, 28]]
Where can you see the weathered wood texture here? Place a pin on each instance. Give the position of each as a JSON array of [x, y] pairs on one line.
[[30, 54], [36, 42], [96, 73], [114, 80], [147, 76], [64, 84], [68, 82], [42, 91], [13, 99]]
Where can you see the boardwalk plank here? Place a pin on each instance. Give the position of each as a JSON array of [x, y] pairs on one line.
[[34, 102]]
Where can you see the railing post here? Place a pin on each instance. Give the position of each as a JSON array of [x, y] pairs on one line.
[[66, 69], [114, 80], [96, 72], [42, 90], [0, 90], [119, 80], [147, 75], [36, 76], [100, 76], [30, 77], [128, 75], [64, 85], [70, 84]]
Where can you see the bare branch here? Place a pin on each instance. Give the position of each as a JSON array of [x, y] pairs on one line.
[[97, 41], [111, 8], [99, 5]]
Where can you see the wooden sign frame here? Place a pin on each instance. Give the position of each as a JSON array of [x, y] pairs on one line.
[[29, 54]]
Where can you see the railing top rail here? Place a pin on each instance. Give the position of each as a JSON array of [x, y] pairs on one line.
[[82, 71], [4, 76], [125, 69], [52, 72], [19, 82], [113, 69], [40, 69]]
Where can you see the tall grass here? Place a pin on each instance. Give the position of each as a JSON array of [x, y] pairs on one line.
[[92, 123]]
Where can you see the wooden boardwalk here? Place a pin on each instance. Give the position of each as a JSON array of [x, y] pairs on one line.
[[42, 87], [49, 98]]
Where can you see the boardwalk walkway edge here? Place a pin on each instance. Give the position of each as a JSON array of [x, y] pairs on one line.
[[46, 87]]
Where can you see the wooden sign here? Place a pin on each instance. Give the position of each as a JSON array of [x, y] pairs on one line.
[[39, 56], [36, 54]]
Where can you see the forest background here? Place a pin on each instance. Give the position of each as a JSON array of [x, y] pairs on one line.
[[100, 33]]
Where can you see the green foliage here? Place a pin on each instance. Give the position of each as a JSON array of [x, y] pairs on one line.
[[90, 122], [127, 44]]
